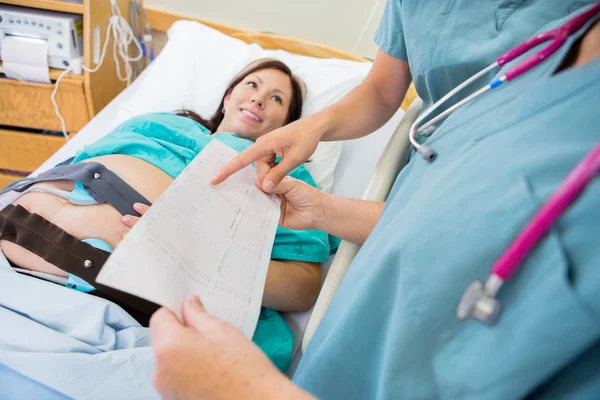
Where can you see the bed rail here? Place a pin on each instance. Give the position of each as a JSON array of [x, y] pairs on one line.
[[392, 160]]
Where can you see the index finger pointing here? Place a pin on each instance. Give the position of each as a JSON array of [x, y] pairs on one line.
[[240, 161]]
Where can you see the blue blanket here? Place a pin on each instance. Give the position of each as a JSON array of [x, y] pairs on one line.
[[79, 345]]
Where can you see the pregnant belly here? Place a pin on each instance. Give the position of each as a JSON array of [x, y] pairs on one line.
[[96, 221]]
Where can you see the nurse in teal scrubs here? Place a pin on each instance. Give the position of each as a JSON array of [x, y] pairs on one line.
[[391, 331]]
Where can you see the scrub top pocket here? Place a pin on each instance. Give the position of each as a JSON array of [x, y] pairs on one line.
[[542, 324], [577, 4], [503, 9]]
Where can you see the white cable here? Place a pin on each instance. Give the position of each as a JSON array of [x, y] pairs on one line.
[[364, 30], [53, 99], [60, 193], [123, 36], [61, 280]]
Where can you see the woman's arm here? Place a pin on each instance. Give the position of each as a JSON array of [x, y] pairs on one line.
[[292, 285]]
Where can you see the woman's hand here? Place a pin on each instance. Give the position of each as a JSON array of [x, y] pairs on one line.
[[130, 220], [301, 205], [294, 143], [206, 358]]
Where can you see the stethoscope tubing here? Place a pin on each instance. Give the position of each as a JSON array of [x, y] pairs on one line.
[[479, 299], [425, 151], [558, 37]]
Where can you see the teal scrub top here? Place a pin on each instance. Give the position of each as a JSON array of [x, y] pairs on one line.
[[391, 331], [170, 142], [446, 42]]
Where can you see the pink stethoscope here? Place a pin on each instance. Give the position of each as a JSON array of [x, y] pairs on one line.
[[479, 300]]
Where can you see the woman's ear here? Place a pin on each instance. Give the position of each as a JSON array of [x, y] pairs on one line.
[[226, 100]]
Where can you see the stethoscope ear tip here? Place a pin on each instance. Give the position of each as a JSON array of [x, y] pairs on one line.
[[427, 153]]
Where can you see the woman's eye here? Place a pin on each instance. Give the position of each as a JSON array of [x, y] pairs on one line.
[[252, 84], [277, 99]]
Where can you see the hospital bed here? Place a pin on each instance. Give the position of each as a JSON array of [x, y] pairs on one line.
[[393, 157], [365, 167]]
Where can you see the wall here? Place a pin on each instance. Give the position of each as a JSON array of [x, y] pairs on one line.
[[337, 23]]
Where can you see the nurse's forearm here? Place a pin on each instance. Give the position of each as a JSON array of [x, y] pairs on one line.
[[349, 219], [370, 105], [288, 390]]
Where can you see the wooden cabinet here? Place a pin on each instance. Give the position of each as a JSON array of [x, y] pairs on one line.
[[28, 105], [23, 151], [26, 108]]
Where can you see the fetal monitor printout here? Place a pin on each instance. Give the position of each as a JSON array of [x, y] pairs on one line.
[[211, 241]]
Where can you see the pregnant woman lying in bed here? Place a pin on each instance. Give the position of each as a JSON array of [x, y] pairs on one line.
[[66, 224]]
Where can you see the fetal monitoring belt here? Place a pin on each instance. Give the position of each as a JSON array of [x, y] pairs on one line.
[[68, 253], [81, 259], [94, 184]]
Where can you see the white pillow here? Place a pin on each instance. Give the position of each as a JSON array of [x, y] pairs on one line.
[[198, 62]]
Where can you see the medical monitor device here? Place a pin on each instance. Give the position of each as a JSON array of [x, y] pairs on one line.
[[62, 31]]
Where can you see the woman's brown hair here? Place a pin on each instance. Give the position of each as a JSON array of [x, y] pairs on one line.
[[296, 102]]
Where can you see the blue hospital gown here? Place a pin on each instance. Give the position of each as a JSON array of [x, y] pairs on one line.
[[391, 331]]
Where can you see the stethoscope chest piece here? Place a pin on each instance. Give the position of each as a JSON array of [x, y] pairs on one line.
[[478, 304]]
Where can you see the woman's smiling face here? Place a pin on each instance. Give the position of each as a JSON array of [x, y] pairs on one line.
[[257, 105]]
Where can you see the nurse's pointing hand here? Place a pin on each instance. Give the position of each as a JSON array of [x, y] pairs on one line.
[[206, 358], [294, 143]]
